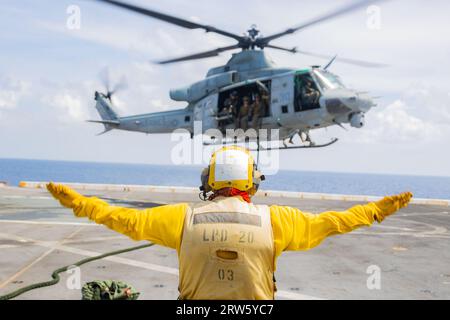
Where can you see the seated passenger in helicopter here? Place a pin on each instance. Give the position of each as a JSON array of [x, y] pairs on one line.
[[244, 111], [258, 110], [265, 99], [231, 103], [228, 111]]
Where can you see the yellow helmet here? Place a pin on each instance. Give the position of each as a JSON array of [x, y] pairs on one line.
[[231, 167]]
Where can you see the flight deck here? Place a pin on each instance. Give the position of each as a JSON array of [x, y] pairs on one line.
[[411, 249]]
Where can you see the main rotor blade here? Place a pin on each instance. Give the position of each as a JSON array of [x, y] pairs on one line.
[[201, 55], [171, 19], [333, 14], [360, 63]]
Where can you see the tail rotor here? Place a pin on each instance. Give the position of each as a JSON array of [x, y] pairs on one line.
[[104, 103], [105, 78]]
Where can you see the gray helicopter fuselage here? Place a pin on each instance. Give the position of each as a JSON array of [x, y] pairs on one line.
[[245, 70]]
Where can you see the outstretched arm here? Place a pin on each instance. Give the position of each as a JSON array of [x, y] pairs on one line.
[[296, 230], [162, 225]]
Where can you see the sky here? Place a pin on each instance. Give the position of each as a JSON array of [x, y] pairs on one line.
[[50, 71]]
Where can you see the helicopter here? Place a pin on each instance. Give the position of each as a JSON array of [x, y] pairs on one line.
[[296, 100]]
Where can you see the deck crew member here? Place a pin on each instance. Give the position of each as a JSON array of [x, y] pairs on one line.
[[228, 247]]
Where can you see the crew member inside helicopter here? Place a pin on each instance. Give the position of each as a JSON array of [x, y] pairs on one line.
[[309, 94], [306, 93], [258, 110], [265, 98], [244, 111], [229, 110]]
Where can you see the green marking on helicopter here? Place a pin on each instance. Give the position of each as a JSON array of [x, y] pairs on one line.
[[302, 71]]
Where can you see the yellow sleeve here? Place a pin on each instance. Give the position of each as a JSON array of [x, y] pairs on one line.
[[297, 230], [162, 225]]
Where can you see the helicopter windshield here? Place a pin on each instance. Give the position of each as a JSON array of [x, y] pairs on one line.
[[327, 80]]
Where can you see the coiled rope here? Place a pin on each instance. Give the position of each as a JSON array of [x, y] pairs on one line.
[[55, 274]]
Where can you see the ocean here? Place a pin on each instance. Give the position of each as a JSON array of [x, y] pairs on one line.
[[14, 170]]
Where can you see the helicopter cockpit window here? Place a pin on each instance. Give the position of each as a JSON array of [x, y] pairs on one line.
[[307, 93], [327, 80]]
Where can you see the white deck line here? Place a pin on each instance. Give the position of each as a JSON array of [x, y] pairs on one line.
[[57, 223], [261, 194]]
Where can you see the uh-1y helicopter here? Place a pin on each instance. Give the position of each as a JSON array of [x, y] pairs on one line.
[[297, 100]]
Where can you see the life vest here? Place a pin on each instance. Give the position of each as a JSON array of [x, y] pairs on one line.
[[227, 252]]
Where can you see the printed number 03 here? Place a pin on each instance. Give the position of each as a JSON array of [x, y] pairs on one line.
[[226, 274]]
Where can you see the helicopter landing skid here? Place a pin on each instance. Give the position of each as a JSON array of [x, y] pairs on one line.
[[260, 147], [286, 147]]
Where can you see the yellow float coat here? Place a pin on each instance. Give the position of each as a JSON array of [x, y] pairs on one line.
[[290, 229]]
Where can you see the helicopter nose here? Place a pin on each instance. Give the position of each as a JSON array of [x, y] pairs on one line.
[[365, 102], [346, 101], [358, 101]]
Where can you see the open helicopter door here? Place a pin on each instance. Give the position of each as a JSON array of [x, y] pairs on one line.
[[282, 99], [205, 111]]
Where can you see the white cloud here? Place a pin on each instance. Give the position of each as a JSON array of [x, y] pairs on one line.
[[397, 123], [431, 102], [420, 115], [11, 90], [71, 107], [118, 38]]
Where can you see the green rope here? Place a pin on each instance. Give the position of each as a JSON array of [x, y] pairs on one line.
[[55, 274]]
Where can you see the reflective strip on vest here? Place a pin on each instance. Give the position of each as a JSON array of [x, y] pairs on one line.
[[227, 252]]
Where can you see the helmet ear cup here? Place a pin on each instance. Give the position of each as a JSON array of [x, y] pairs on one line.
[[205, 187], [257, 178]]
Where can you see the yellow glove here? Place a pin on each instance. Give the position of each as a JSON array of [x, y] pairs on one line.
[[390, 204], [64, 194]]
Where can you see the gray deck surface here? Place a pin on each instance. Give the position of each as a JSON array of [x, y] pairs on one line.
[[37, 235]]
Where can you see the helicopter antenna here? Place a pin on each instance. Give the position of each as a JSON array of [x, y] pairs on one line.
[[330, 63]]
